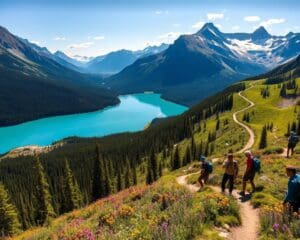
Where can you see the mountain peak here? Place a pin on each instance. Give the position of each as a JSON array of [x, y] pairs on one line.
[[260, 33], [208, 26]]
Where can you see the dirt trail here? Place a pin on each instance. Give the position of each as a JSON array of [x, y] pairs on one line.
[[249, 216], [250, 142]]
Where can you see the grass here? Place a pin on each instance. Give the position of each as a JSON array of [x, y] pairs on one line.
[[164, 210]]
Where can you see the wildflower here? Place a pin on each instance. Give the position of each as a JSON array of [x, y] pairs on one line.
[[276, 227], [164, 226]]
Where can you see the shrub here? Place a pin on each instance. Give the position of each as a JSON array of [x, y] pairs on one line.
[[273, 150]]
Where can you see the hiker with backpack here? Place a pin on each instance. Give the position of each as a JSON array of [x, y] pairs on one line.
[[253, 166], [292, 142], [292, 197], [231, 171], [206, 169]]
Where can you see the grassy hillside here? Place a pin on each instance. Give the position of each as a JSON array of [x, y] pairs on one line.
[[207, 128]]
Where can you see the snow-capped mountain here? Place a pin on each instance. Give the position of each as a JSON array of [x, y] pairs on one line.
[[197, 65], [263, 48]]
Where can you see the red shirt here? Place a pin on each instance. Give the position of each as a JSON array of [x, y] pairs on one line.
[[249, 163]]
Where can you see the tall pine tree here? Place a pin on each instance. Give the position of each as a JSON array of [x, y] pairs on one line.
[[44, 208], [263, 138], [98, 188], [9, 222], [176, 159], [72, 195]]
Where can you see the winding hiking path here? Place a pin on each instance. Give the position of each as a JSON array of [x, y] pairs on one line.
[[250, 217], [250, 142]]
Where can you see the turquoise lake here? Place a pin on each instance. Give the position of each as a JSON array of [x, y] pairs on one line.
[[132, 114]]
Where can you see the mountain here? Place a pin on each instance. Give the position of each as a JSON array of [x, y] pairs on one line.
[[34, 85], [116, 61], [68, 62], [197, 65]]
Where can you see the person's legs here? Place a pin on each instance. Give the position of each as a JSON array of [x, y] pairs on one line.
[[231, 181], [206, 178], [200, 181], [288, 152], [292, 150], [253, 185], [224, 181]]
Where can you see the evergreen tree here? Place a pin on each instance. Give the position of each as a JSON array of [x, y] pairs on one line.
[[98, 188], [193, 148], [160, 169], [9, 222], [283, 91], [45, 211], [263, 138], [176, 159], [72, 195], [187, 156], [107, 179], [120, 183], [153, 164], [149, 178], [218, 125], [134, 176]]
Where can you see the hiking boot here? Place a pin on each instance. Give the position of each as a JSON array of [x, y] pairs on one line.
[[242, 194]]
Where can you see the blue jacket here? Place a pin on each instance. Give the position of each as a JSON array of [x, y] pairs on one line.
[[293, 192]]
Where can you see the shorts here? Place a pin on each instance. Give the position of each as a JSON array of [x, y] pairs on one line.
[[291, 145], [249, 176], [295, 207], [203, 176]]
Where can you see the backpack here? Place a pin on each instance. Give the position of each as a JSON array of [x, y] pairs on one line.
[[294, 139], [209, 168], [256, 164]]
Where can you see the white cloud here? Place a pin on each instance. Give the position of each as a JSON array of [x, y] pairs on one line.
[[99, 38], [160, 12], [81, 45], [176, 25], [252, 18], [198, 25], [214, 16], [235, 28], [272, 21], [58, 38]]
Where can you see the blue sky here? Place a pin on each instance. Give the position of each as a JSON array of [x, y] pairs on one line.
[[92, 28]]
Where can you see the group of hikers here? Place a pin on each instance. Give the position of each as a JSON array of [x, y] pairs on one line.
[[231, 170]]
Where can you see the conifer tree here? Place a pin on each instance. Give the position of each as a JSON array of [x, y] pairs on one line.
[[153, 163], [98, 189], [263, 138], [187, 156], [9, 222], [72, 195], [193, 148], [160, 169], [45, 211], [176, 159], [134, 176], [107, 180], [120, 183], [149, 178]]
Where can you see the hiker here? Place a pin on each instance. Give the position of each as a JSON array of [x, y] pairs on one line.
[[249, 173], [206, 169], [292, 197], [292, 142], [231, 171]]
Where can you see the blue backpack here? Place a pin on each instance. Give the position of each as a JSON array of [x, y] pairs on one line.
[[209, 167], [256, 164]]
